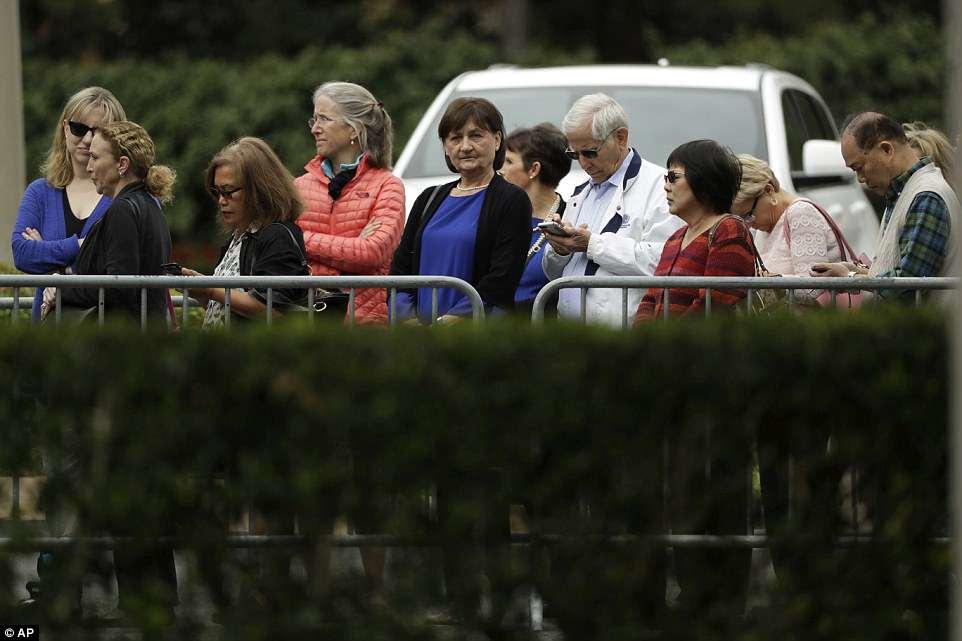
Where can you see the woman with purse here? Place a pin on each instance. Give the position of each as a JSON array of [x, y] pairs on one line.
[[258, 206], [701, 184], [353, 204], [800, 233]]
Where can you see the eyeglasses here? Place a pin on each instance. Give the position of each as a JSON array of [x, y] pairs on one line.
[[749, 216], [673, 176], [218, 192], [79, 129], [589, 153], [318, 118]]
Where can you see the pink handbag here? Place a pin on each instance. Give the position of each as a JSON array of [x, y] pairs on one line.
[[846, 299]]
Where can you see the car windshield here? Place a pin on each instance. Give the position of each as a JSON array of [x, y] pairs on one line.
[[661, 119]]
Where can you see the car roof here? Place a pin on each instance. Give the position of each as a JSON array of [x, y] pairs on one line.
[[744, 78]]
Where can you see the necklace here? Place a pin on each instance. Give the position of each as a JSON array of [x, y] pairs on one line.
[[460, 188], [536, 246]]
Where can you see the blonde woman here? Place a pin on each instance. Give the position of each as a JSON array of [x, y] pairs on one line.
[[799, 235], [932, 143], [132, 236], [58, 210]]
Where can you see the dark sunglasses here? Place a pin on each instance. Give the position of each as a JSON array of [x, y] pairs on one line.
[[673, 175], [217, 192], [588, 153], [79, 129]]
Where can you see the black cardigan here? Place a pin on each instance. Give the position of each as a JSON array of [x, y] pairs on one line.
[[131, 239], [504, 232], [277, 249]]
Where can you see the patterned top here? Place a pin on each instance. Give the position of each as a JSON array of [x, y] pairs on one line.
[[924, 240], [228, 266], [729, 254], [799, 239]]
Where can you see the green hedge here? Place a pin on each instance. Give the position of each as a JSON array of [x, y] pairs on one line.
[[551, 417]]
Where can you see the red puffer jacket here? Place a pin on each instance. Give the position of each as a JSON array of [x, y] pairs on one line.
[[332, 229]]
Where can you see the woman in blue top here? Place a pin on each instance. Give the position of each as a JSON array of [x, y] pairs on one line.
[[58, 210], [536, 162], [476, 228]]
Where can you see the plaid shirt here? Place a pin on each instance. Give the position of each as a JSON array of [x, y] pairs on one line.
[[924, 239]]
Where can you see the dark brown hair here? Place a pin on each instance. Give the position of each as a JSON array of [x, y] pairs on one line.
[[869, 128], [542, 143], [269, 191], [484, 114]]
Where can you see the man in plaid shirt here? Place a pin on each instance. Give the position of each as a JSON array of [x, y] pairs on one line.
[[919, 204]]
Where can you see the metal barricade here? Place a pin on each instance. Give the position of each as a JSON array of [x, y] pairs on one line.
[[708, 283], [346, 283]]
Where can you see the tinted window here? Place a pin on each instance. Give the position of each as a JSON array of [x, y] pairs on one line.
[[661, 119], [817, 124], [794, 131]]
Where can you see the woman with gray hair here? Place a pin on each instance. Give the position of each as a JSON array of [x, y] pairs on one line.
[[353, 205]]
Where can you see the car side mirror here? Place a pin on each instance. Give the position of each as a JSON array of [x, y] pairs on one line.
[[823, 158]]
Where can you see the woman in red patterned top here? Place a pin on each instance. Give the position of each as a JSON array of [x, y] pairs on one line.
[[701, 183]]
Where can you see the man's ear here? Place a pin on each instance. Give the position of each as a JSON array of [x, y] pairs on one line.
[[621, 135], [887, 148]]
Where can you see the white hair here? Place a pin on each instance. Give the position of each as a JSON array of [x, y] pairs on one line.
[[605, 113]]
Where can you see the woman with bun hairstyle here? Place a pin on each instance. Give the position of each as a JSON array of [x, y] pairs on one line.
[[132, 237]]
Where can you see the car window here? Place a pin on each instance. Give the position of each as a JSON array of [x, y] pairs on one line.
[[804, 120], [794, 131], [661, 118]]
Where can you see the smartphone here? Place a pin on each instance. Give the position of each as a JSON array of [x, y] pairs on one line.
[[171, 268], [552, 227]]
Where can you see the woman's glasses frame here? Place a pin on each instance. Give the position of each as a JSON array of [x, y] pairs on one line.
[[673, 176], [228, 194]]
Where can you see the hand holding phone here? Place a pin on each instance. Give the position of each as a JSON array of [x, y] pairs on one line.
[[174, 269], [553, 227]]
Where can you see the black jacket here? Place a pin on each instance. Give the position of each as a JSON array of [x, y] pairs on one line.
[[276, 249], [499, 250], [130, 239]]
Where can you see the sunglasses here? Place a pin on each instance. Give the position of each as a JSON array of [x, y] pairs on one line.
[[222, 192], [79, 129], [588, 153], [673, 176]]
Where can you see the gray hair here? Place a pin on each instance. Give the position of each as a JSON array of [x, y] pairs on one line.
[[366, 115], [605, 113]]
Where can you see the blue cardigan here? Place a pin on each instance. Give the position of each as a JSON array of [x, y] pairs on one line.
[[42, 209]]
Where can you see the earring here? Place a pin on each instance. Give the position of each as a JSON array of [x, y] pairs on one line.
[[352, 141], [530, 177]]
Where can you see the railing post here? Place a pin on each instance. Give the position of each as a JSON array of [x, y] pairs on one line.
[[15, 317]]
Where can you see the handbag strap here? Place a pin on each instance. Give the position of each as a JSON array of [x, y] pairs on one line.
[[759, 263]]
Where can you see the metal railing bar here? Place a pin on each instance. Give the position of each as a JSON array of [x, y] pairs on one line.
[[310, 305], [15, 317], [708, 302], [434, 304], [270, 305], [712, 541], [59, 313], [664, 303], [227, 307], [185, 307], [100, 306], [584, 304], [392, 312], [624, 308], [143, 308], [351, 304]]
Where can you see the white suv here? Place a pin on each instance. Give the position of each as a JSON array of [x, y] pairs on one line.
[[758, 110]]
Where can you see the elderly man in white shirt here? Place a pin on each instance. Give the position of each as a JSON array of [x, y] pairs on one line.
[[618, 221]]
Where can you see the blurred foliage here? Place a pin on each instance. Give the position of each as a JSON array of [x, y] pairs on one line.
[[891, 64], [284, 419]]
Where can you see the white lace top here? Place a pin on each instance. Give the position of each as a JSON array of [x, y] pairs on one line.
[[799, 239]]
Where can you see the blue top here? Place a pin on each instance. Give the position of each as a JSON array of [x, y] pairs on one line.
[[533, 278], [447, 249], [42, 209]]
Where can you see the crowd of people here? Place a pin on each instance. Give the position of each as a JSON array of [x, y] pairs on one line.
[[501, 225]]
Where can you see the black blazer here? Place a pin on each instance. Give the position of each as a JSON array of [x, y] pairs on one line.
[[131, 239], [504, 232], [277, 249]]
